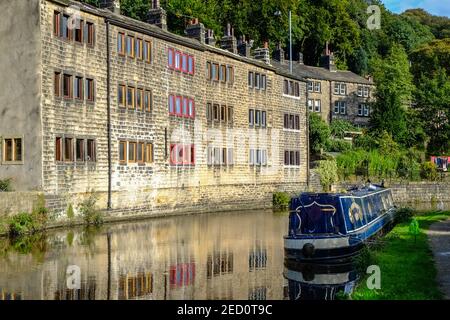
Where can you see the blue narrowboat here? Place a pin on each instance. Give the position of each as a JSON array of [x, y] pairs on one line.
[[334, 226]]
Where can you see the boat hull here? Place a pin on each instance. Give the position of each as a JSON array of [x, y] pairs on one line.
[[335, 247]]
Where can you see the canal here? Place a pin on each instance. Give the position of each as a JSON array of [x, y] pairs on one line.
[[236, 255]]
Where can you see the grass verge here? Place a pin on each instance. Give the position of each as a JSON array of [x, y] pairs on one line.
[[407, 266]]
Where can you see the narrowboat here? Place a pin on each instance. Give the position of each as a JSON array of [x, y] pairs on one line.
[[315, 281], [334, 226]]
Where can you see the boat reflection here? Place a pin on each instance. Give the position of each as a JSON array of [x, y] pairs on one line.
[[314, 281]]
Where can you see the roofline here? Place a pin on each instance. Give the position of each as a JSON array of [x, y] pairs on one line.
[[172, 37]]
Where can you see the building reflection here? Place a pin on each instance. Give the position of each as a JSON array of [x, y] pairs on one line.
[[226, 256]]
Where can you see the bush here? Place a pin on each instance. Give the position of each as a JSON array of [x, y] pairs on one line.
[[89, 212], [338, 128], [21, 224], [404, 215], [338, 145], [281, 200], [429, 171], [328, 173], [319, 133], [70, 213], [5, 185]]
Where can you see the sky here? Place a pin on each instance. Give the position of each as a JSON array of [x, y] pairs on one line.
[[436, 7]]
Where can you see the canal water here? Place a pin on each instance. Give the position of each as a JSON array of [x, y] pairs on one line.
[[236, 255]]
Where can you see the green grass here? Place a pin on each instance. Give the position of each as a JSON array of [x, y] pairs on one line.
[[407, 267]]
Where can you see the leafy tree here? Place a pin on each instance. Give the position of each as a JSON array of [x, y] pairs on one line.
[[433, 106], [319, 133], [394, 87]]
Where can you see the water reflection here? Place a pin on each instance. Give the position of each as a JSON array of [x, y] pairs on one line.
[[217, 256], [319, 281]]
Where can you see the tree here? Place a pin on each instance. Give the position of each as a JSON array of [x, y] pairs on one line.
[[319, 133], [394, 87], [433, 106]]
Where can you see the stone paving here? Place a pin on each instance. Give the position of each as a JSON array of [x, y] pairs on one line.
[[439, 235]]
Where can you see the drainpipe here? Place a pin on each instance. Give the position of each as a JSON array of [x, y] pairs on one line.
[[307, 139], [108, 97]]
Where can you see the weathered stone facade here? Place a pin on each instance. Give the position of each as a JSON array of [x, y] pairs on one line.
[[158, 185]]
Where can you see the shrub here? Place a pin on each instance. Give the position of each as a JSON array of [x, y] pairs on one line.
[[338, 128], [338, 145], [281, 200], [70, 213], [404, 215], [5, 185], [328, 173], [319, 133], [89, 212], [429, 171], [21, 224]]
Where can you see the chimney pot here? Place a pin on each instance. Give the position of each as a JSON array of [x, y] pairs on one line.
[[111, 5]]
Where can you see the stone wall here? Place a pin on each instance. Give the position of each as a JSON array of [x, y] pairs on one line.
[[12, 203]]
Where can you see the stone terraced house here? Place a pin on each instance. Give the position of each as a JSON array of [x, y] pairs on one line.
[[149, 121]]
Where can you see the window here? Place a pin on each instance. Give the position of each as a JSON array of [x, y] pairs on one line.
[[79, 150], [340, 107], [58, 149], [363, 110], [286, 87], [291, 88], [90, 89], [149, 153], [297, 89], [178, 106], [66, 32], [79, 30], [68, 149], [257, 80], [121, 43], [222, 73], [366, 92], [67, 86], [130, 97], [263, 119], [317, 105], [57, 84], [257, 157], [140, 99], [257, 118], [360, 91], [130, 46], [90, 33], [132, 146], [91, 151], [208, 111], [317, 86], [230, 74], [311, 105], [121, 96], [215, 72], [184, 63], [78, 90], [177, 60], [263, 82], [148, 100], [230, 115], [171, 62], [122, 152], [148, 51], [208, 71], [223, 114], [366, 110], [191, 65], [139, 49], [310, 86], [251, 157], [185, 107], [291, 121], [297, 123], [216, 112], [250, 79], [171, 104], [191, 108], [340, 88], [140, 152], [12, 150], [57, 23], [251, 117], [182, 154], [291, 158]]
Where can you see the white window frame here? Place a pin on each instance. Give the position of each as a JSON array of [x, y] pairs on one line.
[[317, 105]]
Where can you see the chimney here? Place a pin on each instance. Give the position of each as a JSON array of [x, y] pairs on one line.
[[263, 53], [244, 47], [369, 78], [157, 15], [209, 39], [300, 58], [278, 54], [196, 30], [228, 41], [111, 5], [327, 59]]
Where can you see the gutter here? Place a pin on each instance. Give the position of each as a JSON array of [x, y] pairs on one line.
[[108, 98]]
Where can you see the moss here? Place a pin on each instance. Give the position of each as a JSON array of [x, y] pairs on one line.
[[281, 200]]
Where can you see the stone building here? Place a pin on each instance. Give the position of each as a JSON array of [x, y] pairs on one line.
[[333, 93], [150, 121]]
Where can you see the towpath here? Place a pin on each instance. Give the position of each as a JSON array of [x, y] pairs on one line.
[[439, 235]]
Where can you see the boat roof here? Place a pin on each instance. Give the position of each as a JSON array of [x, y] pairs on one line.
[[354, 191]]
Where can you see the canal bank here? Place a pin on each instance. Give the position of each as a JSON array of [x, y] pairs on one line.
[[422, 195]]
